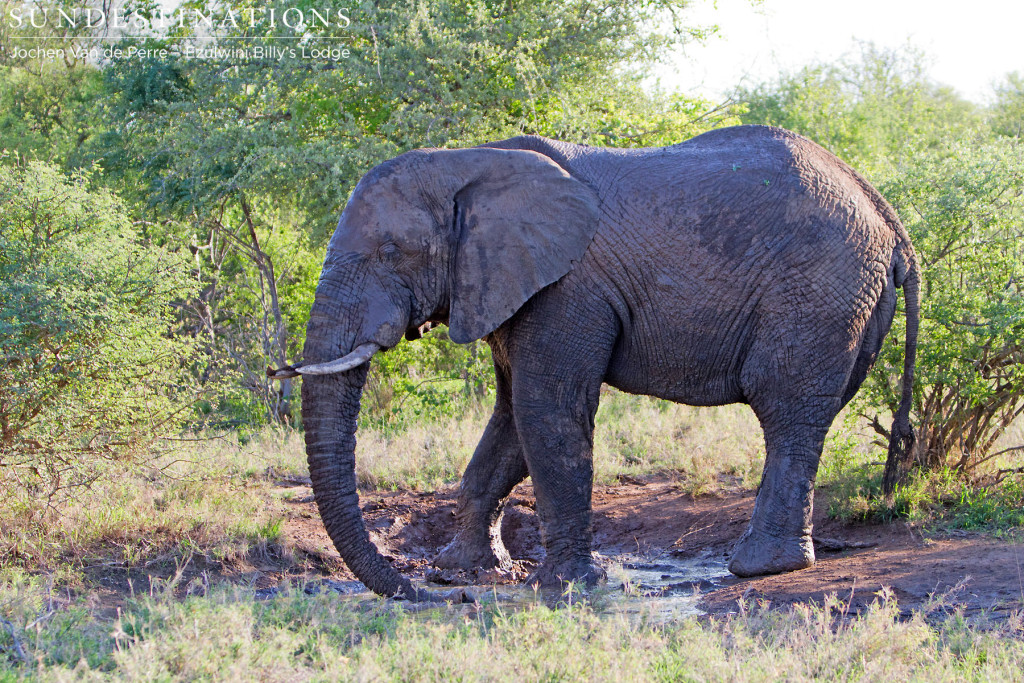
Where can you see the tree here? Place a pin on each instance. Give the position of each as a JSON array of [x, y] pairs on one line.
[[963, 204], [865, 108], [1007, 114], [92, 369], [48, 107], [249, 159]]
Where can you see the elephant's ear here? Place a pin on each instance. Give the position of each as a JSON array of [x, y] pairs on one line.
[[521, 223]]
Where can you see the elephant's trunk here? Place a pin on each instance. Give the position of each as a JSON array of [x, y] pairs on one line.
[[330, 410]]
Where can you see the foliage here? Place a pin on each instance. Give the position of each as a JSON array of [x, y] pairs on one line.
[[963, 205], [864, 107], [941, 499], [48, 107], [45, 111], [429, 379], [1007, 114], [92, 367]]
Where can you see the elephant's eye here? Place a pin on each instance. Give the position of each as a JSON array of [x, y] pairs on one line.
[[388, 253]]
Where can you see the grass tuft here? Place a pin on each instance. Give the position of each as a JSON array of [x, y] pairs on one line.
[[702, 448], [297, 636], [851, 468]]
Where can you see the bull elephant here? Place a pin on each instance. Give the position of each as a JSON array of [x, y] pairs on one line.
[[746, 265]]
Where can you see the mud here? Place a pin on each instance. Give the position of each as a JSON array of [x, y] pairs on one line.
[[660, 546], [661, 542]]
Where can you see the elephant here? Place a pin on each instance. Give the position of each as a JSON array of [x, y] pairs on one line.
[[744, 265]]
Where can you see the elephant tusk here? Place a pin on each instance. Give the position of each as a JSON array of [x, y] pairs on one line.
[[360, 355]]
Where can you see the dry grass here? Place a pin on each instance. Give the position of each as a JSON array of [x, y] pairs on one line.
[[699, 447], [425, 456], [634, 436], [227, 635], [210, 496], [219, 498], [216, 496]]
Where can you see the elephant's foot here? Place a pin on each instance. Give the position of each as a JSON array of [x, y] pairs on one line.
[[758, 553], [474, 551], [582, 571]]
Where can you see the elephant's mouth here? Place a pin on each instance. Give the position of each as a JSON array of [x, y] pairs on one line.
[[417, 331]]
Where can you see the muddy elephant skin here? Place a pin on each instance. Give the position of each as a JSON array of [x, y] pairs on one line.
[[746, 265]]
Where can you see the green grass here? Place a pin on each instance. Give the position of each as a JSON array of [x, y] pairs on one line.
[[851, 471], [227, 635], [941, 499]]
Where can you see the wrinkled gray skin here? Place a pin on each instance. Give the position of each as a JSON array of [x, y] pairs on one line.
[[747, 265]]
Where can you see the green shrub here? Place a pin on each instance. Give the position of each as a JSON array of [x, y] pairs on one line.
[[941, 498], [963, 205], [91, 368], [429, 379]]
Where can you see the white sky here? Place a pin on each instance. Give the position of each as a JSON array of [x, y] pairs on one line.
[[971, 43]]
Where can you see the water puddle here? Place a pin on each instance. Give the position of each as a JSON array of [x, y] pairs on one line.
[[656, 589], [666, 587]]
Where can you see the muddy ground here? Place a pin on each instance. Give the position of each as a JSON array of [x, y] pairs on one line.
[[656, 520], [635, 521]]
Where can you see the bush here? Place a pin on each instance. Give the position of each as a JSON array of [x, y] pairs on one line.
[[1006, 115], [91, 369], [429, 379], [864, 107], [964, 207]]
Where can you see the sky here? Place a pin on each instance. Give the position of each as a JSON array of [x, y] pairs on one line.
[[969, 44]]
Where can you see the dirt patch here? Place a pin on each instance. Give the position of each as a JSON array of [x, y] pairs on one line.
[[657, 519], [631, 520]]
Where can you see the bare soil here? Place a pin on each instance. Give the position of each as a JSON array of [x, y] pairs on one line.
[[655, 519], [980, 574]]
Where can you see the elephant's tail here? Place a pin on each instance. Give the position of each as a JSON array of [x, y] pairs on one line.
[[901, 437]]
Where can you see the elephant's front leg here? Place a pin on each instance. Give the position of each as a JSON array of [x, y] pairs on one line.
[[496, 468], [558, 442]]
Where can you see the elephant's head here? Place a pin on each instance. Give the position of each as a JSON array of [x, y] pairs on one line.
[[463, 237]]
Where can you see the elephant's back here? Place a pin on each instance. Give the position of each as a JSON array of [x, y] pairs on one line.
[[713, 241], [754, 195]]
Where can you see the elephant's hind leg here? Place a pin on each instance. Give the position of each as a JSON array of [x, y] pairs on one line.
[[496, 468], [779, 536], [796, 388], [796, 377]]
